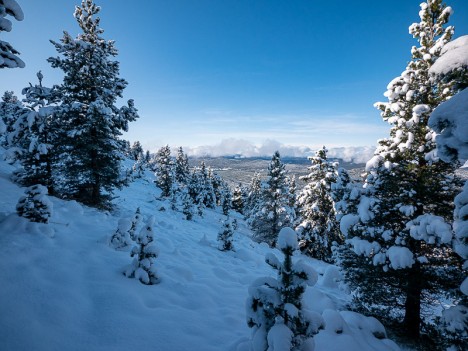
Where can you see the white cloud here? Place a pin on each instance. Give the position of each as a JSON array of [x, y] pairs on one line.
[[242, 147]]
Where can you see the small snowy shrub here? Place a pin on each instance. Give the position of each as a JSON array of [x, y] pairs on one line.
[[225, 236], [35, 205], [274, 307], [187, 205], [145, 253], [137, 218], [121, 238]]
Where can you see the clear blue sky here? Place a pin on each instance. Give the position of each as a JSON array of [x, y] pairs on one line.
[[299, 72]]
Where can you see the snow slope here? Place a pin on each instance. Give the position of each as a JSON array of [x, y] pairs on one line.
[[62, 286]]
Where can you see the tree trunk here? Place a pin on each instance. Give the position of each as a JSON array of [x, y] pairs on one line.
[[412, 320]]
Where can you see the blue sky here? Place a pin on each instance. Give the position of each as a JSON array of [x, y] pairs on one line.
[[200, 72]]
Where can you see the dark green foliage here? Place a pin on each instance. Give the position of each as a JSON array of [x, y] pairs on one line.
[[35, 206], [225, 236], [318, 228], [91, 124], [272, 211]]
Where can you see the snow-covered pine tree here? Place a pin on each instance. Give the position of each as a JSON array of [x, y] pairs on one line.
[[254, 192], [218, 185], [136, 151], [145, 253], [276, 304], [450, 120], [10, 110], [408, 191], [165, 171], [225, 236], [318, 228], [345, 194], [8, 54], [292, 191], [272, 212], [205, 194], [121, 237], [187, 204], [35, 205], [35, 135], [136, 220], [238, 199], [138, 168], [226, 199], [91, 122], [182, 171]]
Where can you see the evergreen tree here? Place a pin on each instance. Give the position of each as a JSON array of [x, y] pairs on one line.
[[182, 171], [318, 228], [237, 199], [136, 220], [450, 119], [202, 187], [91, 123], [35, 205], [136, 151], [187, 205], [273, 212], [292, 191], [121, 238], [276, 304], [138, 168], [10, 110], [225, 236], [254, 192], [8, 54], [35, 135], [143, 267], [408, 191], [226, 201], [218, 185], [345, 194], [164, 171]]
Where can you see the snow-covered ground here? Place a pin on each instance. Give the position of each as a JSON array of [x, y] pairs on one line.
[[63, 288]]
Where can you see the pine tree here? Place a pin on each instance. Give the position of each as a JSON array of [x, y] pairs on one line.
[[138, 168], [187, 205], [237, 199], [226, 201], [449, 121], [254, 192], [136, 151], [35, 205], [318, 228], [91, 123], [408, 190], [292, 191], [345, 194], [121, 238], [136, 220], [225, 236], [202, 187], [272, 212], [143, 267], [218, 185], [164, 170], [35, 134], [277, 303], [10, 110], [8, 54], [182, 171]]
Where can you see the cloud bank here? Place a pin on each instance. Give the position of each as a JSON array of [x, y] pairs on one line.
[[244, 148]]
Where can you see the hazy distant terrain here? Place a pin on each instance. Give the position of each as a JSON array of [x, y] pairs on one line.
[[235, 170]]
